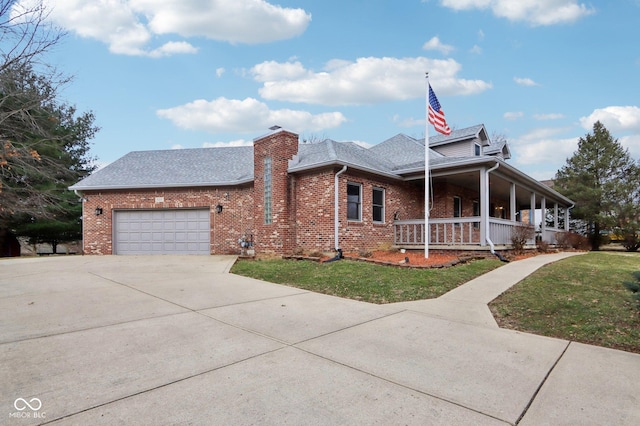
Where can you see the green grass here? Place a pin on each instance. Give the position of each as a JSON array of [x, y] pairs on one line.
[[581, 298], [364, 281]]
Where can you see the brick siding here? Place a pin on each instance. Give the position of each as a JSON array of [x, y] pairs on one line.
[[235, 220]]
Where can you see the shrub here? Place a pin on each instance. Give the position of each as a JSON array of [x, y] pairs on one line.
[[631, 238], [543, 246], [572, 240], [634, 287], [519, 237]]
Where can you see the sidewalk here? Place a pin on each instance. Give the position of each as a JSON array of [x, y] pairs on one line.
[[469, 302]]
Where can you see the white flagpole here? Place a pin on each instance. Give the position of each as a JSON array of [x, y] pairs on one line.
[[426, 174]]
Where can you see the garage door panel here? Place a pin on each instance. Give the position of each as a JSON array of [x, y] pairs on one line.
[[177, 231]]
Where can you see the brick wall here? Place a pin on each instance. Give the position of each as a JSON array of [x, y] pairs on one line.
[[235, 220], [278, 237], [314, 193]]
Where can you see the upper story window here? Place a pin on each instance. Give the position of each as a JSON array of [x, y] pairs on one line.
[[378, 204], [477, 150], [268, 219], [354, 201]]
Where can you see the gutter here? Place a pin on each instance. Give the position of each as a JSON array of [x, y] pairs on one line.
[[336, 210]]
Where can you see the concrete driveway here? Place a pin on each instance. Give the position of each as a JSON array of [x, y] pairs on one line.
[[179, 340]]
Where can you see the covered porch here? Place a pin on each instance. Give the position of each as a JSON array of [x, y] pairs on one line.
[[480, 208]]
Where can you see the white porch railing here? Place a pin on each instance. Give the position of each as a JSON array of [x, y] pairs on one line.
[[548, 235], [456, 231], [451, 231]]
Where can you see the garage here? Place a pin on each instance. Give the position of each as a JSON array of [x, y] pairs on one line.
[[172, 231]]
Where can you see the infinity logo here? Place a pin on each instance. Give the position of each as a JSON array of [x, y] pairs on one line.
[[21, 404]]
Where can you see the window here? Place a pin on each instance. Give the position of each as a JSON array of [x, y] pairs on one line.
[[267, 191], [354, 201], [378, 204], [477, 150], [457, 207]]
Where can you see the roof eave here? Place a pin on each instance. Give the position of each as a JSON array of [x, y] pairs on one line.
[[343, 163], [156, 186], [492, 160]]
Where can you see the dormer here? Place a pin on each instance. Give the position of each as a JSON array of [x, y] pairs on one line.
[[467, 142]]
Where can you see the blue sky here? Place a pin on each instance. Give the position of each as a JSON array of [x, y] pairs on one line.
[[162, 74]]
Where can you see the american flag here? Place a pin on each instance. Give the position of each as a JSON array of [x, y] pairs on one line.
[[436, 115]]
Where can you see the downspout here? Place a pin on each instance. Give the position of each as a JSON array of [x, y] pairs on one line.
[[336, 210], [75, 191], [487, 237]]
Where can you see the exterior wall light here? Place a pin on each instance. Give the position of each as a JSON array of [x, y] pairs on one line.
[[219, 208], [98, 211]]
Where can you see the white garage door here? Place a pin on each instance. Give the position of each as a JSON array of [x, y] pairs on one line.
[[176, 231]]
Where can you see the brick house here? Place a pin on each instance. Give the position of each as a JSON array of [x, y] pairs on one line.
[[283, 196]]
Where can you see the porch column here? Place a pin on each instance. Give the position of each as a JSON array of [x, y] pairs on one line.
[[532, 210], [566, 219], [512, 201], [555, 215], [484, 206], [543, 221]]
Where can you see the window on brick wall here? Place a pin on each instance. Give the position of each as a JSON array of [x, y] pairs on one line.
[[354, 201], [378, 204], [268, 218], [457, 207]]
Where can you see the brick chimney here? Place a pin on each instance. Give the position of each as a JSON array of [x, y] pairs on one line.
[[273, 205]]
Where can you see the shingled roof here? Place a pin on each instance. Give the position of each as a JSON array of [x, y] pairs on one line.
[[234, 165], [174, 168]]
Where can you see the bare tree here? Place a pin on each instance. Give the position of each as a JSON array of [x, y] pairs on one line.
[[25, 33], [43, 144]]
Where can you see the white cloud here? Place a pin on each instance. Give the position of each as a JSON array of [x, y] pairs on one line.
[[543, 149], [272, 70], [128, 26], [614, 118], [235, 21], [172, 48], [548, 116], [248, 115], [632, 143], [366, 81], [547, 151], [525, 81], [408, 122], [436, 44], [535, 12], [237, 142], [219, 72], [513, 115], [476, 49]]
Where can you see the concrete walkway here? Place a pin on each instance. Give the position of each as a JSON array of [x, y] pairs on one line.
[[468, 303], [178, 340]]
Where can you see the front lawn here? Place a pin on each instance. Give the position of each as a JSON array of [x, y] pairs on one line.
[[581, 298], [364, 281]]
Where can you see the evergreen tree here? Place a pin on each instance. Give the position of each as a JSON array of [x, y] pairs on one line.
[[597, 178], [44, 144]]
